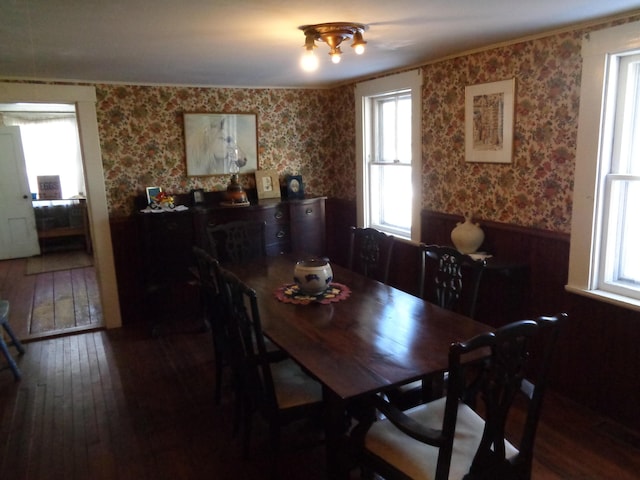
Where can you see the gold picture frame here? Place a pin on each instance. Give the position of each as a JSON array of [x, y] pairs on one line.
[[489, 120], [267, 184]]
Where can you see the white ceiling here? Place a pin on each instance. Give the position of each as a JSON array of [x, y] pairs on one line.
[[257, 43]]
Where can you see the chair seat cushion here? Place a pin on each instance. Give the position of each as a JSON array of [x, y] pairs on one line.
[[419, 460], [292, 386]]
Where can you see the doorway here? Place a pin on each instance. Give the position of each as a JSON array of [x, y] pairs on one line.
[[53, 293], [53, 166], [84, 99]]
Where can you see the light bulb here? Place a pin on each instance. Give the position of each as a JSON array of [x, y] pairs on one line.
[[358, 43], [309, 61], [335, 57]]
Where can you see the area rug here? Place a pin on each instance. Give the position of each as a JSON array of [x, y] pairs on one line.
[[52, 262]]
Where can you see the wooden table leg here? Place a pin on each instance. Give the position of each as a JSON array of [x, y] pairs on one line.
[[335, 428]]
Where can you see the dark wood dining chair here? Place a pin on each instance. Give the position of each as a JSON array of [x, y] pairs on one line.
[[266, 382], [370, 253], [451, 280], [238, 241], [462, 435], [446, 274], [208, 276]]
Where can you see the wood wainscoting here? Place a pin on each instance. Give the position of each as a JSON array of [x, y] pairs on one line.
[[598, 359]]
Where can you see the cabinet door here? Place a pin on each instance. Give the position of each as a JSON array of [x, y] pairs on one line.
[[166, 249], [308, 226]]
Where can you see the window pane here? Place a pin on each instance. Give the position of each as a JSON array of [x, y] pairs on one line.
[[388, 131], [391, 196], [624, 231], [404, 130], [627, 137]]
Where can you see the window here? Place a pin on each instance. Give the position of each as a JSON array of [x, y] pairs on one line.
[[388, 150], [604, 260]]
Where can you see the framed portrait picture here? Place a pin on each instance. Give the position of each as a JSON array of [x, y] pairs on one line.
[[152, 192], [489, 115], [267, 184], [197, 196], [220, 143], [295, 187]]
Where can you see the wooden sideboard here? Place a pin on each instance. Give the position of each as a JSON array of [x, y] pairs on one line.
[[290, 226], [166, 241]]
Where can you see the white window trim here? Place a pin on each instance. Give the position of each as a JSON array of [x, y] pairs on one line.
[[597, 49], [408, 80]]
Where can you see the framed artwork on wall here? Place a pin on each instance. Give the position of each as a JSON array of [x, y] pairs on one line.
[[295, 187], [267, 184], [489, 115], [220, 143]]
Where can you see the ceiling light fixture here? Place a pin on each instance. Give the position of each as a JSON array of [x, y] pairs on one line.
[[333, 34]]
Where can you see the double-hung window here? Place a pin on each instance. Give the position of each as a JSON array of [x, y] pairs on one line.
[[388, 152], [605, 258]]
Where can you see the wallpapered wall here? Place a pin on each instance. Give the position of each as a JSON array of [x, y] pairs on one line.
[[142, 137], [312, 132]]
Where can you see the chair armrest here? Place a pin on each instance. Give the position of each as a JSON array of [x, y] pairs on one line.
[[406, 424]]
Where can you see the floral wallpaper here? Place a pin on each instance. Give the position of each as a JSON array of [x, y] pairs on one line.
[[312, 133], [142, 136], [536, 189]]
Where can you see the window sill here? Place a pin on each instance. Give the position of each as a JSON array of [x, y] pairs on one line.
[[608, 297]]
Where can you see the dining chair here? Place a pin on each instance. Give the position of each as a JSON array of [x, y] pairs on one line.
[[14, 342], [446, 274], [449, 274], [462, 435], [238, 241], [208, 276], [370, 253], [266, 382]]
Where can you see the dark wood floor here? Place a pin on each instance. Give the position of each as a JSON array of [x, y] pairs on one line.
[[120, 404], [50, 303]]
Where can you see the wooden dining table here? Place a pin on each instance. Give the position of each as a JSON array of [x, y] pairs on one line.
[[376, 338]]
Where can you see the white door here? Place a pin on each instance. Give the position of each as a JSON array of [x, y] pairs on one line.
[[18, 235]]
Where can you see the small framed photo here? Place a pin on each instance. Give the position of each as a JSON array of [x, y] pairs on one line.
[[267, 184], [197, 196], [489, 115], [152, 192], [295, 187]]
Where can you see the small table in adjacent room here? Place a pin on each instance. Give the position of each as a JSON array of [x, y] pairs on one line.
[[62, 220]]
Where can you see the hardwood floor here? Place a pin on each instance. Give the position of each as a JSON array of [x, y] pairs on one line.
[[120, 404], [50, 303]]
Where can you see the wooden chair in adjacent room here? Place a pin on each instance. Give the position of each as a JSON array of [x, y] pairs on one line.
[[14, 342], [462, 435], [238, 241], [267, 382], [370, 253]]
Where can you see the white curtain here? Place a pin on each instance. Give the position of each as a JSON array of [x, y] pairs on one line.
[[51, 147]]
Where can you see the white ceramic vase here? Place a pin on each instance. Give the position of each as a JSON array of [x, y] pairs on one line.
[[468, 236], [313, 275]]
